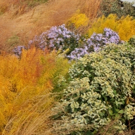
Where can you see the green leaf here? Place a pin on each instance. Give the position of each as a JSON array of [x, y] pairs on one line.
[[121, 112], [110, 112], [117, 116]]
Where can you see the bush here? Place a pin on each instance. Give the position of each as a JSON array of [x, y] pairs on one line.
[[123, 26], [102, 89], [116, 7]]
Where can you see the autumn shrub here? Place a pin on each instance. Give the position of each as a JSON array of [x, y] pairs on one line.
[[117, 7], [25, 86], [123, 26], [102, 90]]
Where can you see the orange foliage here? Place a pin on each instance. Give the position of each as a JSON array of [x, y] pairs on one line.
[[25, 88]]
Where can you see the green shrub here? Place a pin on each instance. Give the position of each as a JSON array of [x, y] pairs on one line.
[[132, 40], [102, 90], [114, 7]]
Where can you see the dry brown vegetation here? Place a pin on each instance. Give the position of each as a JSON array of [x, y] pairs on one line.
[[25, 23]]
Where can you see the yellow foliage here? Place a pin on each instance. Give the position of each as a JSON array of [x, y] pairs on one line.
[[78, 20], [25, 88], [125, 26]]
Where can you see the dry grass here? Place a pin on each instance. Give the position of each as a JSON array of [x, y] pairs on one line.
[[25, 91], [31, 121], [18, 20], [91, 8]]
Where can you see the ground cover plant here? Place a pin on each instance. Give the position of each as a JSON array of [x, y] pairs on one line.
[[102, 90]]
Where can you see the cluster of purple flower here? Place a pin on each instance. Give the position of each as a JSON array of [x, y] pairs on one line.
[[95, 43], [60, 38], [18, 50]]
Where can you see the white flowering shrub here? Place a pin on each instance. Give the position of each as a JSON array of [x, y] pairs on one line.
[[102, 89]]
